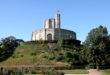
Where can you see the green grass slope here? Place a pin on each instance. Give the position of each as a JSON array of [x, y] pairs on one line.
[[34, 54]]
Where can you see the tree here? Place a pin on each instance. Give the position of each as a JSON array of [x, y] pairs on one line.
[[97, 46], [95, 34], [7, 47]]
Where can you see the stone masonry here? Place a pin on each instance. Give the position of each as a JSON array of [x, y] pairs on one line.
[[52, 31]]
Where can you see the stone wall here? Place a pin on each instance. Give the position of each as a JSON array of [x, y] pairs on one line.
[[53, 34], [49, 31], [42, 34], [38, 35], [64, 34]]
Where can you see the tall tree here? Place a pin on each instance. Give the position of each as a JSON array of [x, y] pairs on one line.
[[97, 46], [95, 34]]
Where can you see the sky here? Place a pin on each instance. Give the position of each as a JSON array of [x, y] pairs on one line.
[[19, 18]]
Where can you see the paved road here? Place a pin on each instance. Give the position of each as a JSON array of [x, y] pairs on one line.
[[91, 72]]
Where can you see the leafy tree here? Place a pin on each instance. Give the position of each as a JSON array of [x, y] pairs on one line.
[[83, 55], [7, 47], [97, 46], [95, 34]]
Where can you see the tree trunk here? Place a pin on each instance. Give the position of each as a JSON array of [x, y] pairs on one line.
[[97, 67]]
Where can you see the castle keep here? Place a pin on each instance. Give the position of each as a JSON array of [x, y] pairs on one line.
[[52, 31]]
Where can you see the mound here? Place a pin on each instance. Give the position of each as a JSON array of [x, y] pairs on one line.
[[43, 54]]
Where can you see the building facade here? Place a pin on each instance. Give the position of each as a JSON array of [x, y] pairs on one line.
[[52, 31]]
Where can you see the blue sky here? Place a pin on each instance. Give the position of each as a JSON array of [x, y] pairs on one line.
[[20, 17]]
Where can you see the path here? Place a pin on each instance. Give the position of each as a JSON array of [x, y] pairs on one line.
[[91, 72]]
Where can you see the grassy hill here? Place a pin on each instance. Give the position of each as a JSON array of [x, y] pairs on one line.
[[43, 53], [35, 54]]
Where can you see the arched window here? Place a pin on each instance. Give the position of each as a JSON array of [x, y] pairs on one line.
[[49, 37]]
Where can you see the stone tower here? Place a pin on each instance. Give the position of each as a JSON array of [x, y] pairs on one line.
[[52, 31], [53, 22], [57, 21]]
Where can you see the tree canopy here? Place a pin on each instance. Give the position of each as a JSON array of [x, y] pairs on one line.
[[97, 46], [7, 47]]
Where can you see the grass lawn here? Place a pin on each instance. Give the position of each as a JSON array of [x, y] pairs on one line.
[[106, 72], [75, 71]]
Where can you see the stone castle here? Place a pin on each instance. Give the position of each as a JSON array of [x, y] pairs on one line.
[[52, 31]]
